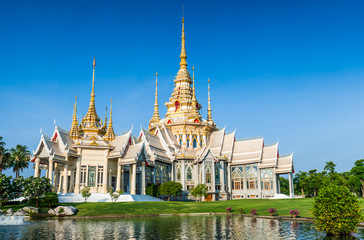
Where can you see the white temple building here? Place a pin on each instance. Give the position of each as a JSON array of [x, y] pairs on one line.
[[181, 147]]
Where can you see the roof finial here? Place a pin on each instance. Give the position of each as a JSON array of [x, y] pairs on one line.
[[110, 135], [156, 118], [183, 56], [93, 79], [105, 122], [209, 116], [74, 127]]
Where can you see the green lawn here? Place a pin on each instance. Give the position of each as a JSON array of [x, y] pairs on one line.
[[283, 207]]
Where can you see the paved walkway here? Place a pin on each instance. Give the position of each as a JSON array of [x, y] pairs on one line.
[[101, 197]]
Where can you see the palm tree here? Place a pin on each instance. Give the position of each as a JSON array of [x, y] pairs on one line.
[[19, 158], [4, 156]]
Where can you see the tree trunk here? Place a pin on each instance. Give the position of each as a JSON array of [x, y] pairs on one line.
[[362, 189], [37, 203], [303, 193], [314, 192]]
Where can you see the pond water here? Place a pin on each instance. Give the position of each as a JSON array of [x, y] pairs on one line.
[[176, 227]]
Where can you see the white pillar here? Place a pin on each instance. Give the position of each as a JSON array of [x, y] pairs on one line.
[[278, 184], [36, 169], [259, 184], [118, 180], [291, 190], [183, 176], [143, 178], [133, 181], [106, 171], [274, 183], [122, 178], [222, 177], [55, 178], [78, 176], [50, 171], [229, 180], [65, 178], [72, 180]]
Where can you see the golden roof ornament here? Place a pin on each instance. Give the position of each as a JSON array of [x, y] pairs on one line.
[[209, 116], [183, 56], [156, 118], [110, 135], [74, 134], [91, 121]]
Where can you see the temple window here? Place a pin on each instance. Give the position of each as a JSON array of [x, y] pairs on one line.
[[201, 143], [188, 140], [176, 104], [100, 176], [252, 176], [178, 174], [208, 176], [237, 178], [83, 175], [194, 141], [157, 176], [217, 174], [165, 174], [189, 174], [266, 176], [91, 176]]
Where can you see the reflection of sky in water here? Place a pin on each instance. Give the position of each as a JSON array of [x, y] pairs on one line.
[[181, 227]]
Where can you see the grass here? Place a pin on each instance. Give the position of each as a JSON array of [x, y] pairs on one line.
[[283, 207]]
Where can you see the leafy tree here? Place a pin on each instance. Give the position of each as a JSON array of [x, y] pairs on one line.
[[301, 182], [152, 190], [314, 180], [19, 158], [5, 189], [171, 188], [354, 184], [358, 170], [18, 187], [35, 188], [114, 195], [284, 185], [50, 198], [199, 191], [4, 156], [85, 193], [336, 210], [330, 167]]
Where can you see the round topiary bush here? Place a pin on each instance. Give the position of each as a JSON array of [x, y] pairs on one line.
[[336, 210]]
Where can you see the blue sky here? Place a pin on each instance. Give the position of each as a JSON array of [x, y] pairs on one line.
[[292, 71]]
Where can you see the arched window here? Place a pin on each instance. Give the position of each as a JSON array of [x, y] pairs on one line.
[[178, 174], [189, 174], [176, 104], [201, 143], [188, 140], [252, 176], [237, 178], [194, 141], [208, 175]]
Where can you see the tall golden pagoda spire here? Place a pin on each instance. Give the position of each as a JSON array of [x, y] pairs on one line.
[[91, 121], [194, 100], [110, 135], [156, 118], [183, 56], [74, 134], [209, 116], [105, 122]]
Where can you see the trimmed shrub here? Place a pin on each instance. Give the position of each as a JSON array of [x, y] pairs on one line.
[[253, 212], [170, 189], [85, 193], [241, 210], [336, 210], [294, 213], [229, 209], [152, 190], [50, 199], [272, 211]]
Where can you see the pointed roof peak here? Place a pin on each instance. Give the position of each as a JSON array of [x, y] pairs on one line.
[[183, 56]]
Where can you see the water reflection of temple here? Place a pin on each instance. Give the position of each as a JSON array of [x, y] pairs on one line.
[[182, 147]]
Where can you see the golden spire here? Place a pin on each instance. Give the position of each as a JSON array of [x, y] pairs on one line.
[[194, 100], [74, 134], [110, 135], [91, 120], [183, 56], [209, 116], [156, 110]]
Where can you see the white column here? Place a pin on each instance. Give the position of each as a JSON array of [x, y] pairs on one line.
[[291, 190], [50, 171], [229, 180], [274, 183], [259, 184], [78, 176], [198, 140], [133, 190], [130, 177], [65, 178], [143, 178], [278, 184], [222, 177], [55, 178], [72, 180], [122, 178], [106, 171], [184, 140], [36, 169], [172, 172], [183, 176], [154, 174], [118, 180]]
